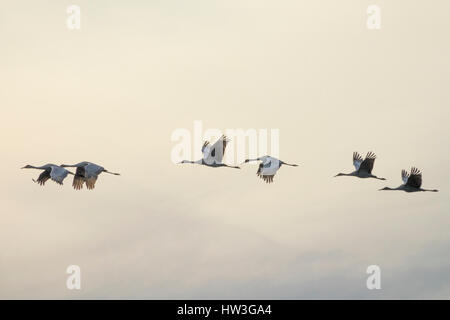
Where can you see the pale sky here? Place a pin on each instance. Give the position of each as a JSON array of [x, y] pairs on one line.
[[113, 93]]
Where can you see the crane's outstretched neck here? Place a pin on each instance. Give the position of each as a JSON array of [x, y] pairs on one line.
[[189, 161], [249, 160], [344, 174], [30, 167]]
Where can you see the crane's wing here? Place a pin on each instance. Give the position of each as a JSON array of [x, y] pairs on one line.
[[264, 159], [78, 179], [214, 153], [90, 182], [267, 178], [405, 176], [222, 142], [357, 160], [43, 177], [91, 172], [206, 150], [267, 170], [205, 146], [415, 178], [367, 164], [58, 174]]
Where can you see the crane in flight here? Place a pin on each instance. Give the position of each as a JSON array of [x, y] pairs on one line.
[[51, 171], [411, 182], [268, 167], [87, 172], [213, 154], [363, 168]]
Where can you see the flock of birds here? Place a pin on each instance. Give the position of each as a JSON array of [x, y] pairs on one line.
[[268, 166], [88, 172]]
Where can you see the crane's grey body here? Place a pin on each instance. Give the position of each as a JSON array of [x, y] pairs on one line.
[[268, 167], [213, 154], [363, 168], [51, 171], [87, 172], [411, 182]]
